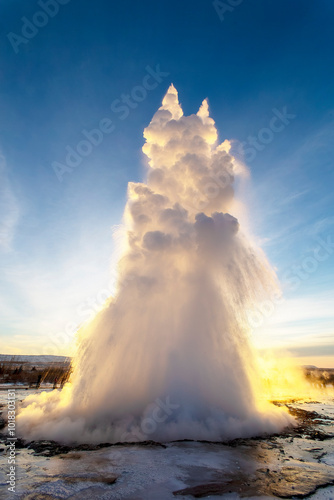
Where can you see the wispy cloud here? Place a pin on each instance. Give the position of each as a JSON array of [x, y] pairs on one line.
[[9, 208], [288, 214], [299, 322]]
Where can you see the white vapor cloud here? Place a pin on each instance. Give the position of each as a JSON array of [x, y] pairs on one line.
[[176, 330]]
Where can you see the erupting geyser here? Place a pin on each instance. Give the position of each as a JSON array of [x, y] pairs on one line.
[[168, 357]]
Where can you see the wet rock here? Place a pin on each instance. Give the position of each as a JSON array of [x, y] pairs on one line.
[[312, 449], [48, 448], [306, 416], [20, 443], [143, 443], [38, 496], [106, 479], [219, 488], [70, 456], [300, 481], [319, 436], [90, 447], [51, 448], [287, 482]]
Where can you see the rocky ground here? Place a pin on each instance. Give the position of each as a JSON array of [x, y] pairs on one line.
[[299, 463]]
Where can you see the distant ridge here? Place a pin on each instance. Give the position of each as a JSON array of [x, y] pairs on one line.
[[34, 358]]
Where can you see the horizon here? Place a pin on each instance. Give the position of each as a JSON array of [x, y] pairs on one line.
[[70, 357]]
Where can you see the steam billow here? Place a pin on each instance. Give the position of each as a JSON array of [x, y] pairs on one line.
[[169, 356]]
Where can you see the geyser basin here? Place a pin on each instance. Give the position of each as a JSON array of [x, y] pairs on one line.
[[168, 357]]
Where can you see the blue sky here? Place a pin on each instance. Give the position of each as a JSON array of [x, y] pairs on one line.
[[56, 245]]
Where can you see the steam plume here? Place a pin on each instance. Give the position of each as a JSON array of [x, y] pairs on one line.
[[168, 357]]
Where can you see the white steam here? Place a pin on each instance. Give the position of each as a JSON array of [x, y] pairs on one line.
[[168, 357]]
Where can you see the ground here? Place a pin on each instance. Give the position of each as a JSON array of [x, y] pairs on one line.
[[299, 463]]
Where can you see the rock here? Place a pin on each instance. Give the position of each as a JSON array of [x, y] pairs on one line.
[[287, 482], [2, 422]]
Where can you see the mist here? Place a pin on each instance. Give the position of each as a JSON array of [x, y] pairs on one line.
[[169, 356]]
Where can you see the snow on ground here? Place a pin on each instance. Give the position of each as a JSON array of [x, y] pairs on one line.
[[34, 359], [295, 464]]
